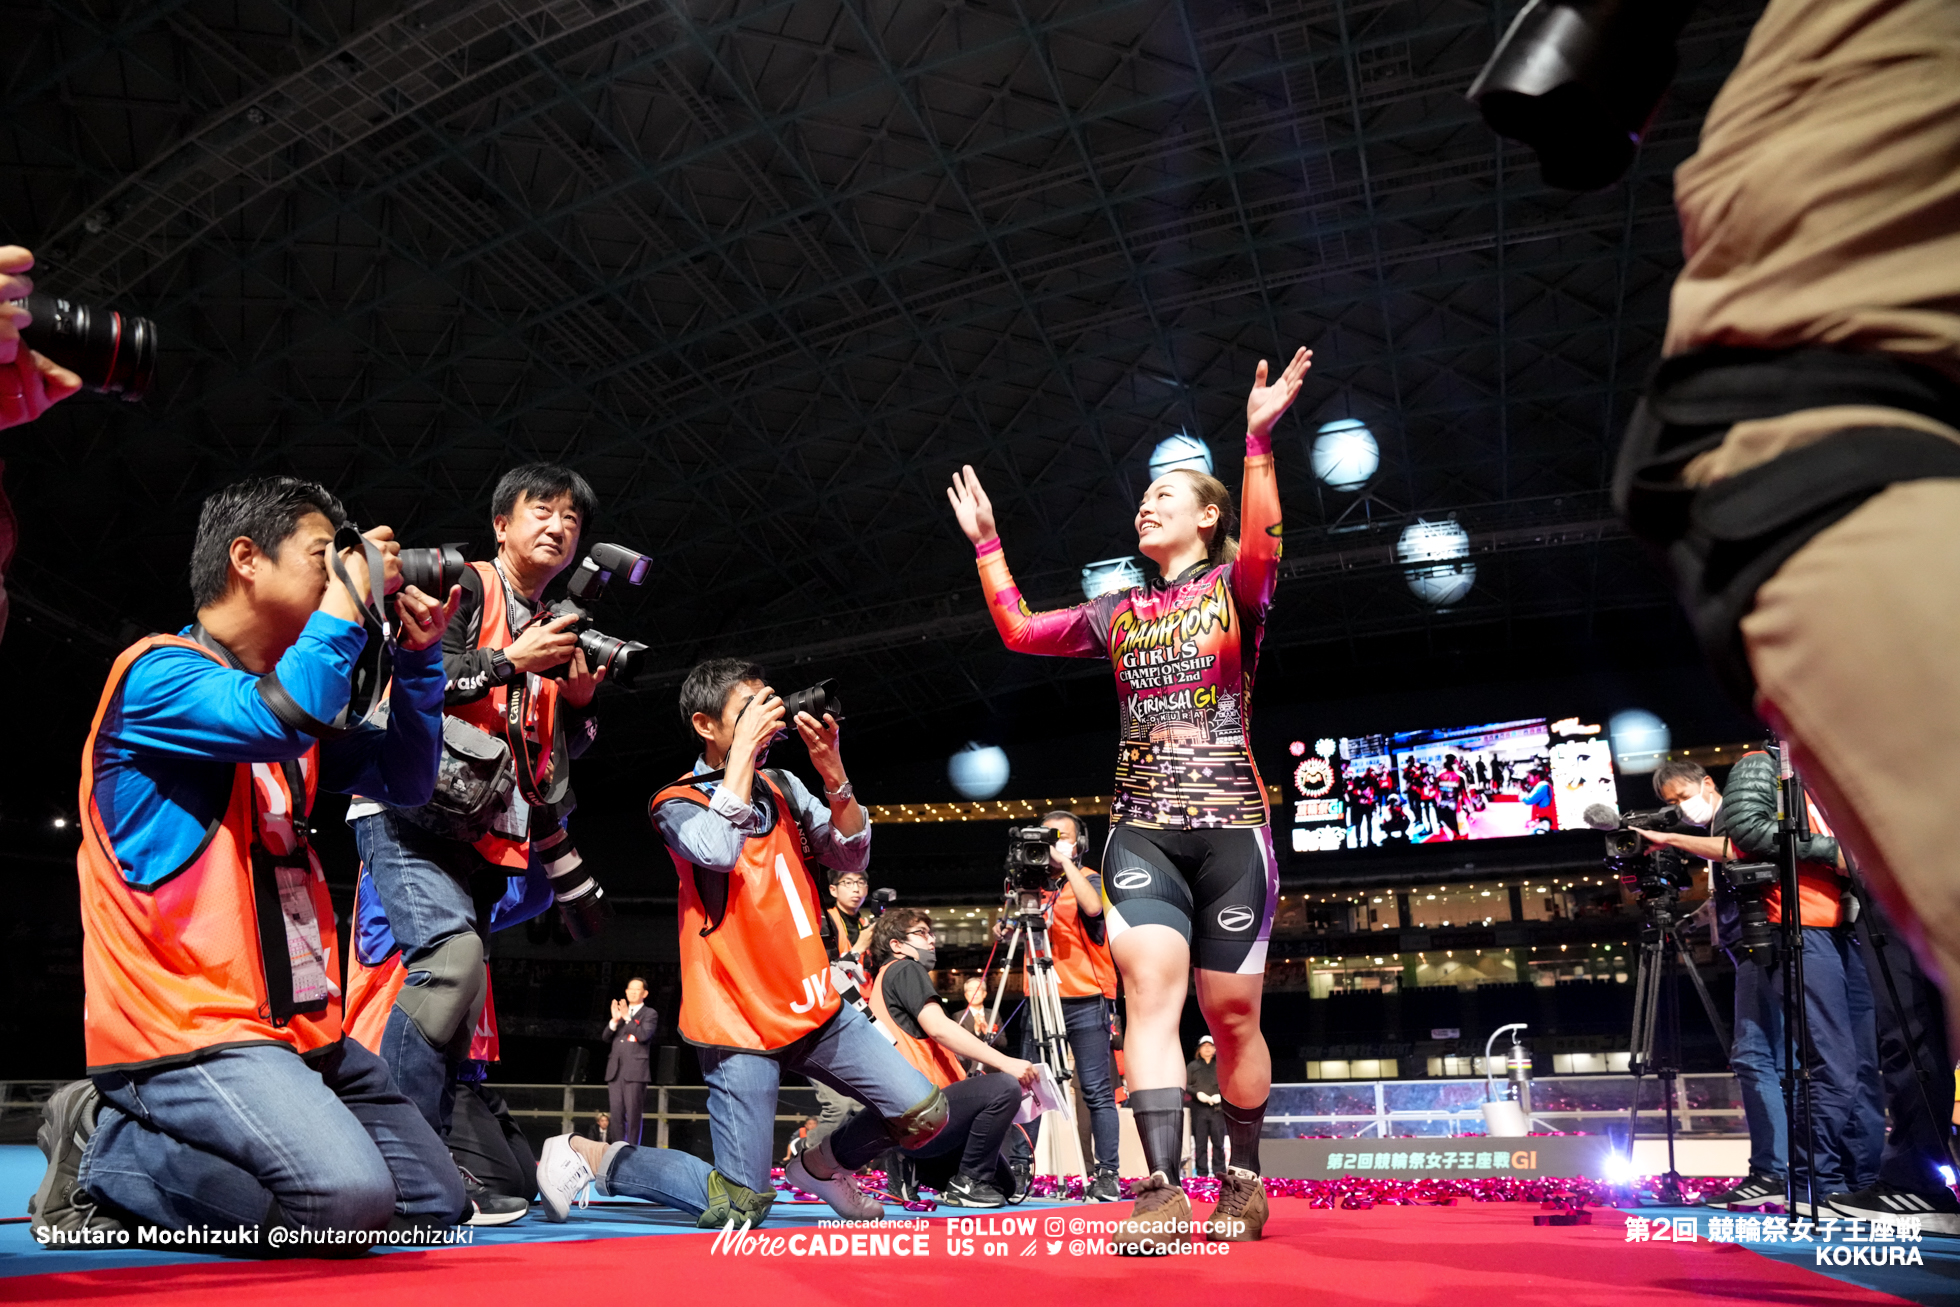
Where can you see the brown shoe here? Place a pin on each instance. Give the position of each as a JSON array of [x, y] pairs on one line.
[[1159, 1219], [1240, 1216]]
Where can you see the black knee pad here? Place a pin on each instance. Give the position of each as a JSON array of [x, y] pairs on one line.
[[445, 1007], [921, 1123]]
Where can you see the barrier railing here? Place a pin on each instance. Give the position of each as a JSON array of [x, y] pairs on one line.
[[1704, 1104]]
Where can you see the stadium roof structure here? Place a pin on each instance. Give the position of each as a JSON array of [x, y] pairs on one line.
[[768, 271]]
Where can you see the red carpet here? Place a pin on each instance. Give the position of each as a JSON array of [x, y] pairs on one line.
[[1386, 1257]]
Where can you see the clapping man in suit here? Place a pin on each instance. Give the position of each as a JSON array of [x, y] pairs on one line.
[[631, 1032]]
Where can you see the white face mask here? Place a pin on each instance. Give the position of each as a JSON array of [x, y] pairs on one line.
[[1065, 849], [1697, 809]]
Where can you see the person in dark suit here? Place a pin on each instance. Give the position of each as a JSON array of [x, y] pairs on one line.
[[631, 1033]]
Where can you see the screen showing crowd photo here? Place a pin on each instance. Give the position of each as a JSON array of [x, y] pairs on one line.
[[1496, 781]]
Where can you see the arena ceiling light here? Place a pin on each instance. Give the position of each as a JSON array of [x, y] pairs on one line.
[[1640, 740], [1110, 576], [1180, 450], [1345, 454], [979, 771], [1435, 559]]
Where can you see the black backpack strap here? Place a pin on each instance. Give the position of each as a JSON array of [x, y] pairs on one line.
[[1723, 541]]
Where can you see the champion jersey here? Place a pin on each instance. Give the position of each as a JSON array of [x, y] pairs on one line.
[[1184, 652]]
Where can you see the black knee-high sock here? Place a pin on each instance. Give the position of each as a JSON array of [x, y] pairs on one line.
[[1243, 1125], [1160, 1125]]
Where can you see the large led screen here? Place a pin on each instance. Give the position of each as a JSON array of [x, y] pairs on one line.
[[1496, 781]]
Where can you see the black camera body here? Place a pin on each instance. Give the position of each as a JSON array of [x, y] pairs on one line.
[[594, 572], [1651, 871], [1030, 864]]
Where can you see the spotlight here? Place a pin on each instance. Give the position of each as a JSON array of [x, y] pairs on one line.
[[1180, 450]]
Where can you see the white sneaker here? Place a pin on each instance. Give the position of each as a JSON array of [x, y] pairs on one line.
[[562, 1177], [840, 1191]]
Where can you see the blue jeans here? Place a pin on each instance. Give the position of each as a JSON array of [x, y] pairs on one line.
[[1756, 1060], [219, 1141], [1915, 1150], [847, 1053], [1849, 1115], [432, 889], [1086, 1023]]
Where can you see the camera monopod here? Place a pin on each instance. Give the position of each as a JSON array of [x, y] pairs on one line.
[[1793, 825]]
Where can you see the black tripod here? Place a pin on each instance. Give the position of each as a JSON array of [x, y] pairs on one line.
[[1047, 1026], [1657, 982]]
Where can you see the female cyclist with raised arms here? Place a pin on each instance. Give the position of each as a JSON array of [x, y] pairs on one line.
[[1188, 872]]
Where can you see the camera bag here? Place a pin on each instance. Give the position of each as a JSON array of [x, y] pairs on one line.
[[474, 779]]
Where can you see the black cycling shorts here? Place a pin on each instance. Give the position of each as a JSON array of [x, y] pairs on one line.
[[1217, 887]]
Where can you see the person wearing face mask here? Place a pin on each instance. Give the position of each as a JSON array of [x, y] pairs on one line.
[[1085, 976], [1849, 1131], [1188, 871], [964, 1162]]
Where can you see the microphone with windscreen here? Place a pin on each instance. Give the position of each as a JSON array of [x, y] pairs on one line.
[[1601, 816]]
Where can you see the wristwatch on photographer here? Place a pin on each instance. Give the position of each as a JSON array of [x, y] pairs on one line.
[[840, 794], [500, 669]]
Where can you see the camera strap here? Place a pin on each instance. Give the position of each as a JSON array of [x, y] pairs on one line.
[[524, 751], [372, 670], [1725, 540], [290, 948]]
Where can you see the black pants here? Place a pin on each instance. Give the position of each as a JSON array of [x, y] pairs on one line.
[[1207, 1140], [627, 1100], [979, 1113], [1086, 1025], [487, 1143], [1916, 1144]]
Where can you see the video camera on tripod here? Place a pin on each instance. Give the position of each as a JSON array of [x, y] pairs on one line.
[[1030, 861], [1031, 875], [1650, 871]]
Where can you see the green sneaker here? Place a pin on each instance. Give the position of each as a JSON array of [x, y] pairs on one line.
[[728, 1201]]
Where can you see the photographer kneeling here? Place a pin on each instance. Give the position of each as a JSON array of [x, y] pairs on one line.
[[757, 996], [436, 876], [221, 1092], [964, 1163], [1837, 999]]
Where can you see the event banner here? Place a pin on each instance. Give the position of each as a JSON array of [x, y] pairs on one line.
[[1418, 1158]]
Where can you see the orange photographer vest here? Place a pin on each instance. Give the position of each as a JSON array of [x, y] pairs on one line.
[[754, 972], [179, 966], [935, 1062], [1083, 969], [489, 712]]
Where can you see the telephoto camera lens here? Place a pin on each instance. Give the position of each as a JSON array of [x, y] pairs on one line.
[[580, 899], [113, 353], [433, 571]]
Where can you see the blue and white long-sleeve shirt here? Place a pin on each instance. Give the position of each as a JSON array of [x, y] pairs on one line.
[[180, 722], [711, 838]]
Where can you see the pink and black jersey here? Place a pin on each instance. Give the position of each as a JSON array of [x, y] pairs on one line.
[[1184, 652]]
